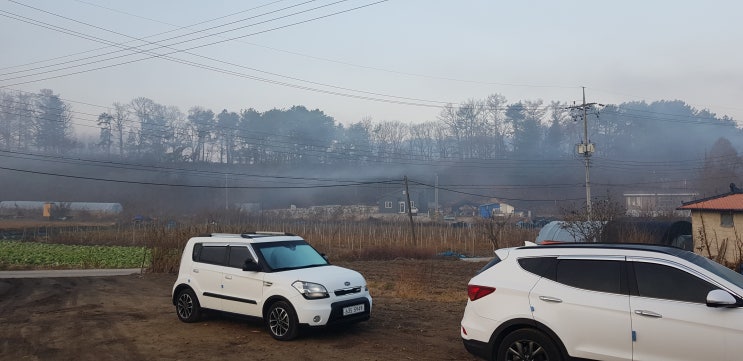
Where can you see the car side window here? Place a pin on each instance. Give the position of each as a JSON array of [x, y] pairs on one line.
[[665, 282], [594, 275], [540, 266], [213, 254], [196, 252], [238, 255]]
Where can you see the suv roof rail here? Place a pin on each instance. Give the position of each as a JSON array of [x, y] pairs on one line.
[[660, 248], [265, 234]]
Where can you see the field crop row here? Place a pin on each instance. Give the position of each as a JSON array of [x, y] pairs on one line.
[[17, 255]]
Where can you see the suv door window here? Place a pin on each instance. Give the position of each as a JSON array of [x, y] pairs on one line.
[[665, 282], [213, 254], [540, 266], [594, 275], [238, 255]]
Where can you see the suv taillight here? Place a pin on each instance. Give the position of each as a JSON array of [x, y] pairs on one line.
[[476, 292]]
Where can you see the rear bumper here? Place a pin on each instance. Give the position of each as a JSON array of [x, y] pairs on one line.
[[477, 348]]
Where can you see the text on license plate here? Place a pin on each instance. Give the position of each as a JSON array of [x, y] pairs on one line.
[[350, 310]]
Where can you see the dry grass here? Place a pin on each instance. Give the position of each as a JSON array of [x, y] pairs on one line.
[[372, 239], [339, 240], [437, 280]]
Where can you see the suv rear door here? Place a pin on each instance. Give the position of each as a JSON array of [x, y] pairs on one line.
[[585, 301]]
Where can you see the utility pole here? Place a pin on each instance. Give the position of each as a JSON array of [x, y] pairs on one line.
[[410, 211], [586, 148], [436, 197]]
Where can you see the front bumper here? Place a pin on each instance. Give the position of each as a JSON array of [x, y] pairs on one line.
[[317, 314], [336, 313]]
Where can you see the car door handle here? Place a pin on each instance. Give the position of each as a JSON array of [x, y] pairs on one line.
[[648, 313], [550, 299], [195, 270], [229, 277]]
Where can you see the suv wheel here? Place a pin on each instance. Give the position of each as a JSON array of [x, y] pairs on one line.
[[282, 321], [187, 306], [527, 345]]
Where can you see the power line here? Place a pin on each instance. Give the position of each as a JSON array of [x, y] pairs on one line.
[[403, 100]]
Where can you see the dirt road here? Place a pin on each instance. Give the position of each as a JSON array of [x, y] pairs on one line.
[[416, 314]]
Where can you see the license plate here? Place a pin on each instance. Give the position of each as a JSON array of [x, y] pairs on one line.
[[350, 310]]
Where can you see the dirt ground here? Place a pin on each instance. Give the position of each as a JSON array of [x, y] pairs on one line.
[[416, 313]]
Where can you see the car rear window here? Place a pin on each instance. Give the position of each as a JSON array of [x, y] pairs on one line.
[[540, 266]]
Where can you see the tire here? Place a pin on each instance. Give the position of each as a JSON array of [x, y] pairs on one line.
[[527, 345], [282, 321], [187, 306]]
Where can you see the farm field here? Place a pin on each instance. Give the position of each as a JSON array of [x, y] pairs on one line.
[[417, 308]]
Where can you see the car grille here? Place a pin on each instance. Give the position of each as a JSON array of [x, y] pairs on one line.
[[347, 291]]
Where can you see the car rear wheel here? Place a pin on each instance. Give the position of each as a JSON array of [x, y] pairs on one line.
[[282, 321], [187, 306], [527, 345]]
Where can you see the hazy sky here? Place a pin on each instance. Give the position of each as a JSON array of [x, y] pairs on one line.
[[391, 60]]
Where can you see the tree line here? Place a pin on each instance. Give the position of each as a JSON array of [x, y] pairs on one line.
[[490, 129]]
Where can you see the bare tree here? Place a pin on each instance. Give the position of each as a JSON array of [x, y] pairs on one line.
[[53, 129], [389, 137], [202, 121], [227, 123], [422, 140], [7, 117], [587, 225], [495, 116], [105, 122], [118, 125], [493, 229]]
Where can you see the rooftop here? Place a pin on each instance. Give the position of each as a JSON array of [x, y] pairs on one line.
[[725, 202]]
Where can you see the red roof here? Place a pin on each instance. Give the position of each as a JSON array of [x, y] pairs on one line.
[[727, 202]]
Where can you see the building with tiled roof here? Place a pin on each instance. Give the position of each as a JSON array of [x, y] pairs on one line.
[[717, 226]]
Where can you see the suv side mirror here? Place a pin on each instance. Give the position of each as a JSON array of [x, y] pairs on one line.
[[720, 298], [250, 265]]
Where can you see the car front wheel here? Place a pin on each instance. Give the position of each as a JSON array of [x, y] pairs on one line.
[[187, 306], [527, 345], [282, 321]]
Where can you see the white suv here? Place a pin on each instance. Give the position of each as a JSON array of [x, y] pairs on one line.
[[274, 276], [604, 302]]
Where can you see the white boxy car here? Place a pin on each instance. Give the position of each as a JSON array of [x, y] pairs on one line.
[[277, 277], [604, 302]]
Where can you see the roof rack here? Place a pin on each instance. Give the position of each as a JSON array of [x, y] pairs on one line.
[[265, 234], [223, 235]]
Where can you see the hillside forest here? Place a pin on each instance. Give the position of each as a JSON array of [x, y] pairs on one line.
[[159, 159]]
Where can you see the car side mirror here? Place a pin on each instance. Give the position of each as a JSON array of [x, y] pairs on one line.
[[251, 266], [720, 298]]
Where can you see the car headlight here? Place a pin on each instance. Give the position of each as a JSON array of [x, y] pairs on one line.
[[311, 291]]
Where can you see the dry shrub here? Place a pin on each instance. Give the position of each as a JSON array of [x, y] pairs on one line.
[[382, 253], [370, 239]]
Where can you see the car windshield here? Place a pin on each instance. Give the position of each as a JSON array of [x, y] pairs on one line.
[[290, 255]]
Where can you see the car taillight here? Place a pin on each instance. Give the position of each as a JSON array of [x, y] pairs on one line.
[[476, 292]]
